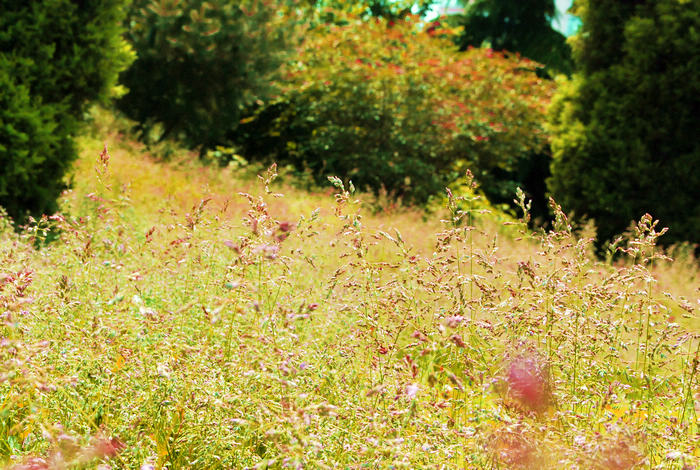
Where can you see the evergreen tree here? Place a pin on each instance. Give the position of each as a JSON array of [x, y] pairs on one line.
[[625, 127], [200, 63], [56, 57], [516, 26]]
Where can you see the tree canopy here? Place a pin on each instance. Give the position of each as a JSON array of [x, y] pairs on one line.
[[516, 26], [624, 129]]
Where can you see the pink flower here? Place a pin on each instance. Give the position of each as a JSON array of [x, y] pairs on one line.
[[106, 448], [528, 384], [286, 226], [33, 464]]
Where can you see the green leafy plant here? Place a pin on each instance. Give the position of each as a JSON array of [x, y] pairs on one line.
[[56, 57], [394, 107]]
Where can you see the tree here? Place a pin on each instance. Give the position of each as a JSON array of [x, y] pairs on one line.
[[388, 105], [516, 26], [56, 57], [624, 128], [200, 63]]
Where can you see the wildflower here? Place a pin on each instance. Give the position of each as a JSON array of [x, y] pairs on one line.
[[33, 464], [455, 380], [104, 448], [286, 227], [268, 251], [454, 321], [618, 454], [515, 448], [528, 384], [457, 339], [232, 246]]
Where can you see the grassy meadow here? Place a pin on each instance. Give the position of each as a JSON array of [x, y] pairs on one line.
[[185, 316]]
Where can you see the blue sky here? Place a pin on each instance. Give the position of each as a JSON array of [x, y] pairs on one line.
[[566, 23]]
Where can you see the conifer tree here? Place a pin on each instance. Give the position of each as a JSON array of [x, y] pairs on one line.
[[516, 26], [200, 63], [56, 57], [625, 127]]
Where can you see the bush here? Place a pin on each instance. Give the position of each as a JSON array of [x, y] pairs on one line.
[[625, 127], [56, 57], [27, 140], [199, 63], [391, 106]]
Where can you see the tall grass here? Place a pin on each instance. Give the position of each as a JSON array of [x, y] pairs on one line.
[[188, 318]]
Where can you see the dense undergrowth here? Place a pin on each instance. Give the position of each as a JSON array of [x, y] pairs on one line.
[[186, 317]]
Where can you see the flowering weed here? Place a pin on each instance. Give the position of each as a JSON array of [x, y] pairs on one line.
[[186, 318]]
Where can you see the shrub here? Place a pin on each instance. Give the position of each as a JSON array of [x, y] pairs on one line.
[[625, 127], [390, 105], [27, 140], [199, 62], [56, 57]]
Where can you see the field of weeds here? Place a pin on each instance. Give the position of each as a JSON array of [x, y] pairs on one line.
[[180, 316]]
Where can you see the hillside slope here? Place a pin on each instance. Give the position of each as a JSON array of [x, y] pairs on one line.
[[191, 317]]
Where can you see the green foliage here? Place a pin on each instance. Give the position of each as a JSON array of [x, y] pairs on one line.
[[199, 63], [29, 136], [56, 57], [516, 26], [387, 105], [625, 127]]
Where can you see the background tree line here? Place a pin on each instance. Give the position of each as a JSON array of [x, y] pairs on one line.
[[368, 91]]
